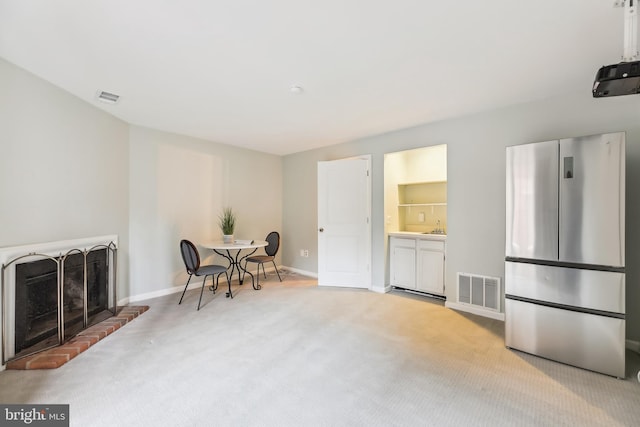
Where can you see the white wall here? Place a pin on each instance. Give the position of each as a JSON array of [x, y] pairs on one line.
[[476, 182], [425, 164], [179, 186], [64, 167]]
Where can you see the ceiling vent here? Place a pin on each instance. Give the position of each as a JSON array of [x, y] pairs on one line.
[[109, 98]]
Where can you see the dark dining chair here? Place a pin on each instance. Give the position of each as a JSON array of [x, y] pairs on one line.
[[273, 240], [191, 259]]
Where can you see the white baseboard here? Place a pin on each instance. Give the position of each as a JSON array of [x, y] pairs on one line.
[[123, 302], [384, 290], [303, 272], [162, 292], [195, 284], [473, 310]]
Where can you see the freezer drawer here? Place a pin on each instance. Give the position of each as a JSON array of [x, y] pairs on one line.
[[584, 340], [588, 289]]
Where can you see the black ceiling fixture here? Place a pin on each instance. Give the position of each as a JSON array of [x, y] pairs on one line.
[[622, 78]]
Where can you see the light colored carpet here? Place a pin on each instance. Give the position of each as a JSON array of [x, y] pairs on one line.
[[294, 354]]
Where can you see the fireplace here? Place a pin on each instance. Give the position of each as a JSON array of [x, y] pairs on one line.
[[50, 295], [36, 301]]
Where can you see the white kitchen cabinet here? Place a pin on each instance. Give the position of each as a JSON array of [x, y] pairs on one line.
[[417, 262], [403, 262]]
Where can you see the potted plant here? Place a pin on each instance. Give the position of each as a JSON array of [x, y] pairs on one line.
[[227, 224]]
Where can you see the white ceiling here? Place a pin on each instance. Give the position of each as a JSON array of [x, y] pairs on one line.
[[222, 69]]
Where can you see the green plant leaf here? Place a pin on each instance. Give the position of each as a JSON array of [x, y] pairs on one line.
[[227, 221]]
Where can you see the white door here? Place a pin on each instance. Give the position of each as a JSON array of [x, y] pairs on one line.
[[344, 228]]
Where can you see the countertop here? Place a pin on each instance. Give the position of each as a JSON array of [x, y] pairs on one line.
[[418, 235]]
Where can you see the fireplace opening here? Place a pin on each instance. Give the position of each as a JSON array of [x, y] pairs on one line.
[[36, 299]]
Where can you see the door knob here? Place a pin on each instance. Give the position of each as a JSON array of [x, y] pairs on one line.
[[321, 229]]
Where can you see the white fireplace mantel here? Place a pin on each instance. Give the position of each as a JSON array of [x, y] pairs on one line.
[[54, 248]]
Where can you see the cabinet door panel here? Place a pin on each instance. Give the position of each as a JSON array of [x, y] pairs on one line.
[[404, 272], [403, 262], [430, 271]]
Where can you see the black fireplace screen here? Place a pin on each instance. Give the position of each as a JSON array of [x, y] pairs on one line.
[[36, 303]]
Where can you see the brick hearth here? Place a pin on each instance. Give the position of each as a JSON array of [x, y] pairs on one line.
[[58, 356]]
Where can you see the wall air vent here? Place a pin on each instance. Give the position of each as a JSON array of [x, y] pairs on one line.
[[482, 292], [109, 98]]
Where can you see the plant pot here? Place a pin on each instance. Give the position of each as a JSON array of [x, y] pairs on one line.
[[227, 238]]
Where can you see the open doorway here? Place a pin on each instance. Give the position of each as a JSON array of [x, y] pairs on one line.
[[415, 213], [415, 190]]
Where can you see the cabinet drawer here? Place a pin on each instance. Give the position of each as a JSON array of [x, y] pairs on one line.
[[405, 243], [431, 245]]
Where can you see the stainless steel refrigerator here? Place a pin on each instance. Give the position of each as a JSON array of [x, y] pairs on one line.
[[565, 251]]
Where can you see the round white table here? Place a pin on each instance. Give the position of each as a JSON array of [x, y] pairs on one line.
[[231, 251]]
